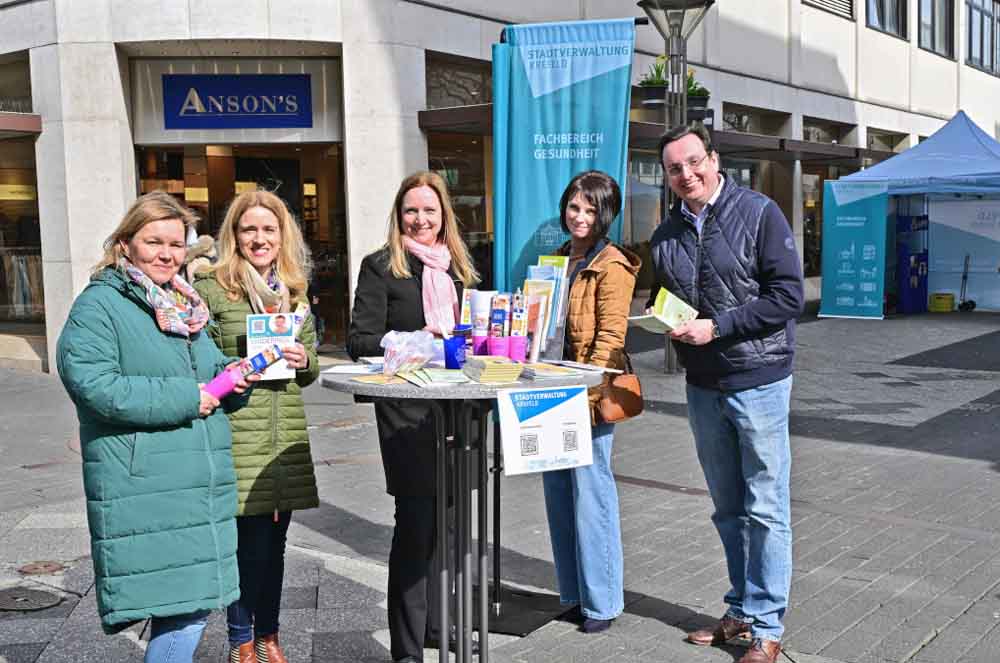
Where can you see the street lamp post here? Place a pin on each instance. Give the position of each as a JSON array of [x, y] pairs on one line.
[[675, 20]]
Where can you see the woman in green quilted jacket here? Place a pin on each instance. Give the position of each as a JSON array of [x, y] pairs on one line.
[[264, 267], [157, 468]]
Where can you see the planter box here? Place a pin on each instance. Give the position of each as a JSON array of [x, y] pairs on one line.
[[699, 102], [649, 95]]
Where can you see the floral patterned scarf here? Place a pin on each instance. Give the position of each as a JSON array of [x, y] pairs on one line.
[[178, 307], [266, 295]]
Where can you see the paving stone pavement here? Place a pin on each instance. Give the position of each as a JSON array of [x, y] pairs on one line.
[[896, 518]]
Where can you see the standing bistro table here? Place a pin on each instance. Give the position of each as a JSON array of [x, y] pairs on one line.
[[455, 410]]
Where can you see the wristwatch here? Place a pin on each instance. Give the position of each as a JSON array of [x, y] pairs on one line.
[[715, 330]]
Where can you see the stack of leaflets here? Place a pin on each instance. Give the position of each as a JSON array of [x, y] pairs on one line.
[[434, 377], [378, 379], [492, 369], [583, 368], [669, 312], [544, 371]]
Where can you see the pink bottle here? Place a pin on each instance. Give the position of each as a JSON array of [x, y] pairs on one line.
[[224, 383]]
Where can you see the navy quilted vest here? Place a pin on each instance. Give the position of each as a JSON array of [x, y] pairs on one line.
[[718, 272]]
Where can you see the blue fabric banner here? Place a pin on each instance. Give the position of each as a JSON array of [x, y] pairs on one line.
[[560, 107], [854, 249]]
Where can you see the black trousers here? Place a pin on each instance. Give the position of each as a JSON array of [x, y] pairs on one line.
[[414, 591], [261, 558]]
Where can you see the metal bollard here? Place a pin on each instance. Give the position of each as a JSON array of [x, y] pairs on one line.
[[670, 363]]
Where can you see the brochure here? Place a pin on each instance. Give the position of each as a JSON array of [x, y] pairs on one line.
[[546, 371], [559, 265], [378, 379], [546, 289], [669, 312], [435, 377], [354, 369], [265, 330]]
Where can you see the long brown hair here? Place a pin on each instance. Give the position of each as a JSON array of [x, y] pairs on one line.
[[451, 237], [149, 208], [294, 262]]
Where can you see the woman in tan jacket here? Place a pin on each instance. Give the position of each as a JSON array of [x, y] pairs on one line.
[[582, 503]]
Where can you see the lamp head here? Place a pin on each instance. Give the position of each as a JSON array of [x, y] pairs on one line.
[[675, 17]]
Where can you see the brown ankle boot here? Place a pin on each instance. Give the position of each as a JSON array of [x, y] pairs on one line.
[[724, 630], [243, 654], [268, 650]]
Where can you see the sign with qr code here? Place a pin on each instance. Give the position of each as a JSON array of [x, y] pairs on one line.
[[544, 429]]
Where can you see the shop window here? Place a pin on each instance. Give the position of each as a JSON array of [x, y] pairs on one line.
[[843, 8], [457, 81], [887, 141], [888, 16], [22, 296], [812, 224], [15, 84], [308, 177], [461, 160], [746, 119], [982, 25], [936, 26], [823, 131]]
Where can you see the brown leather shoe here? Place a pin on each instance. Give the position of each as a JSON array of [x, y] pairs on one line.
[[762, 651], [243, 654], [726, 629], [268, 650]]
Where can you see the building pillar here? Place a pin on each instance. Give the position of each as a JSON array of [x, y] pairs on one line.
[[384, 87], [85, 164]]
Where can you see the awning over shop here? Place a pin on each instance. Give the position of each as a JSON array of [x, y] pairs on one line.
[[478, 120], [18, 125]]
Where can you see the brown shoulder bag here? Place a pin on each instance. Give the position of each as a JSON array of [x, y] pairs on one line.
[[621, 395]]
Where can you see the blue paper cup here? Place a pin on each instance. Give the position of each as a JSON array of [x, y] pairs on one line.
[[454, 352]]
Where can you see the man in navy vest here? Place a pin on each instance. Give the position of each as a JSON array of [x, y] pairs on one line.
[[729, 252]]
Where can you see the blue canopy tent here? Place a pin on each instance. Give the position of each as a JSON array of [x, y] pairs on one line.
[[954, 177], [958, 158]]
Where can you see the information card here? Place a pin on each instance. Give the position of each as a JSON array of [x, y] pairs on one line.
[[265, 330], [544, 429]]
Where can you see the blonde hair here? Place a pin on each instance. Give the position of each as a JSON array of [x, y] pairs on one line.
[[149, 208], [451, 237], [294, 262]]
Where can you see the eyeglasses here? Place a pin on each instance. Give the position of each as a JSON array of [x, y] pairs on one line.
[[694, 164]]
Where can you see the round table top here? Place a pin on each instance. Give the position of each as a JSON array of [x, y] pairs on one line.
[[467, 391]]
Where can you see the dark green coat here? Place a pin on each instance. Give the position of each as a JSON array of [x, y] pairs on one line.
[[270, 441], [159, 479]]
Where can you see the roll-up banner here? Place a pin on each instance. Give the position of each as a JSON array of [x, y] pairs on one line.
[[854, 249], [560, 107]]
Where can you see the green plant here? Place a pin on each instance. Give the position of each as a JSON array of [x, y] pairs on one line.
[[694, 88], [656, 76]]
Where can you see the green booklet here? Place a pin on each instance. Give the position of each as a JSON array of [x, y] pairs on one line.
[[669, 312]]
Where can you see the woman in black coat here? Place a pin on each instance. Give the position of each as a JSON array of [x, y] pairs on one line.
[[414, 282]]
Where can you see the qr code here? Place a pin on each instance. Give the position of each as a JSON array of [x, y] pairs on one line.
[[256, 326], [529, 444], [569, 440]]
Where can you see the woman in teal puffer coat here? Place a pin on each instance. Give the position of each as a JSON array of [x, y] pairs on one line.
[[264, 268], [157, 464]]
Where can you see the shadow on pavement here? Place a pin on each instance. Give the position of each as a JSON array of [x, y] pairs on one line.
[[372, 540]]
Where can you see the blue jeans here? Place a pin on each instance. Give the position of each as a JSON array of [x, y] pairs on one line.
[[742, 443], [260, 554], [174, 639], [582, 507]]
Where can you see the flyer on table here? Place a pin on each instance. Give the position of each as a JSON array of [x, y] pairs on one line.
[[264, 330], [544, 429]]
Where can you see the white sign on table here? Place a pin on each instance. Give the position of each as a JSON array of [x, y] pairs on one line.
[[544, 429]]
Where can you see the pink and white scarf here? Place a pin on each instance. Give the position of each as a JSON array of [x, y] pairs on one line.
[[176, 305], [438, 290]]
